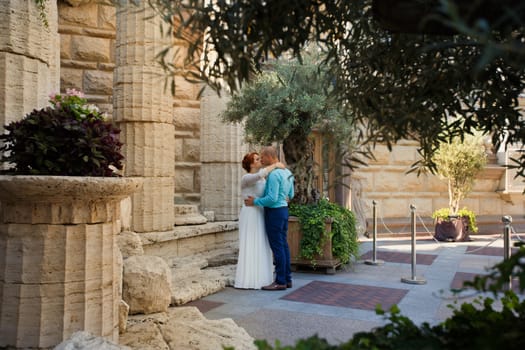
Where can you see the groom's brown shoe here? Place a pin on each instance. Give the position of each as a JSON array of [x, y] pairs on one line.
[[274, 286], [289, 284]]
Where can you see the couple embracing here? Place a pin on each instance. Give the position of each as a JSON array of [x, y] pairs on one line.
[[263, 223]]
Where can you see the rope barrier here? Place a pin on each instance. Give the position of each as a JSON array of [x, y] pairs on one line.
[[516, 235], [428, 231], [508, 231]]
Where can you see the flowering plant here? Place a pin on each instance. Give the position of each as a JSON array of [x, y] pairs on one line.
[[70, 138]]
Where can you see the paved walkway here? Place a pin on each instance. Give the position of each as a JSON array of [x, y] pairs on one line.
[[336, 306]]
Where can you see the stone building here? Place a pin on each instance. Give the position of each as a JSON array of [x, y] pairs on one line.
[[176, 142], [189, 161]]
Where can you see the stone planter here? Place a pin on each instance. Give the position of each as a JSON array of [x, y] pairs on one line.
[[58, 267], [452, 230], [324, 261]]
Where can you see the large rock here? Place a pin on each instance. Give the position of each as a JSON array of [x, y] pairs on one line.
[[86, 341], [184, 328], [146, 286]]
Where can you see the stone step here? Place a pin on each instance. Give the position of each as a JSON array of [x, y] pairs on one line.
[[199, 275], [201, 283], [187, 214]]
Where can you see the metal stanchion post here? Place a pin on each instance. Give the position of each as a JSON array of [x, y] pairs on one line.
[[374, 261], [507, 220], [413, 279]]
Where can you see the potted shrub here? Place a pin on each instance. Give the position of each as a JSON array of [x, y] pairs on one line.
[[285, 104], [60, 211], [458, 162], [323, 235]]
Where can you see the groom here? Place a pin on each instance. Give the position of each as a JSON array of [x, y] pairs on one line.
[[278, 191]]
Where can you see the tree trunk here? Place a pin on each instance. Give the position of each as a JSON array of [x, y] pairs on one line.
[[299, 153]]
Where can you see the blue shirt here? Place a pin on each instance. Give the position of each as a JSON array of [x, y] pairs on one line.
[[279, 188]]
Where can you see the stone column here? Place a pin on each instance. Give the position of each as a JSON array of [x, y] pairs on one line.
[[222, 149], [29, 58], [59, 271], [143, 110]]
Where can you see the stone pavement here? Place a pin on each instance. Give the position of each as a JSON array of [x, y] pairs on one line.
[[339, 305]]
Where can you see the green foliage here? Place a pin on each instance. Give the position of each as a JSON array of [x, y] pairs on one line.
[[497, 279], [69, 138], [459, 162], [313, 218], [41, 4], [470, 327], [430, 88], [444, 213], [285, 104]]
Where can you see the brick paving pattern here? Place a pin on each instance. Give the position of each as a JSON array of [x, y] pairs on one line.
[[461, 277], [347, 295], [204, 305], [493, 251], [368, 297], [399, 257]]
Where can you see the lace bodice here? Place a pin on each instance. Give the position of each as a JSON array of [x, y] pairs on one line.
[[253, 184]]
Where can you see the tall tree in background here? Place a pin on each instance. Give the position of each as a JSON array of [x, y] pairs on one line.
[[286, 103]]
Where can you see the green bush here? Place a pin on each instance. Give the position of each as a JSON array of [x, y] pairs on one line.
[[312, 218], [69, 138]]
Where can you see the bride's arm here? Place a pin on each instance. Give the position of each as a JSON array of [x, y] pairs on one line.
[[270, 168], [250, 179]]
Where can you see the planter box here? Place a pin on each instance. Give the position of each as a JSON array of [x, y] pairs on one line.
[[452, 230], [324, 261], [59, 271]]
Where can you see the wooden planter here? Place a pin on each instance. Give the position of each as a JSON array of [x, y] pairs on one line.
[[58, 268], [324, 261]]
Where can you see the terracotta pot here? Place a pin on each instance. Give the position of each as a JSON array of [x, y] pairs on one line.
[[452, 230]]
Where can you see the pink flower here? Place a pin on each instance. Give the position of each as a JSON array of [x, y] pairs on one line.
[[74, 92]]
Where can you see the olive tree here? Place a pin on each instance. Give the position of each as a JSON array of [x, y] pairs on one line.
[[285, 103], [459, 162]]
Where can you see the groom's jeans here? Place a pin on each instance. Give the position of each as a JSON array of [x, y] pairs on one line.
[[276, 222]]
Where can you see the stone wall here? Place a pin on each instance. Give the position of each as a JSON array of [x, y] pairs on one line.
[[28, 59], [87, 61], [386, 181]]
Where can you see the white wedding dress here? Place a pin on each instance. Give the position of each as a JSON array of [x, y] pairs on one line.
[[255, 262]]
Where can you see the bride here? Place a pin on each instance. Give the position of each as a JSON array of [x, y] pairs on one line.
[[255, 263]]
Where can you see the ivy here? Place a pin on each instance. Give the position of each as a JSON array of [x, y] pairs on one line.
[[313, 219], [41, 5]]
